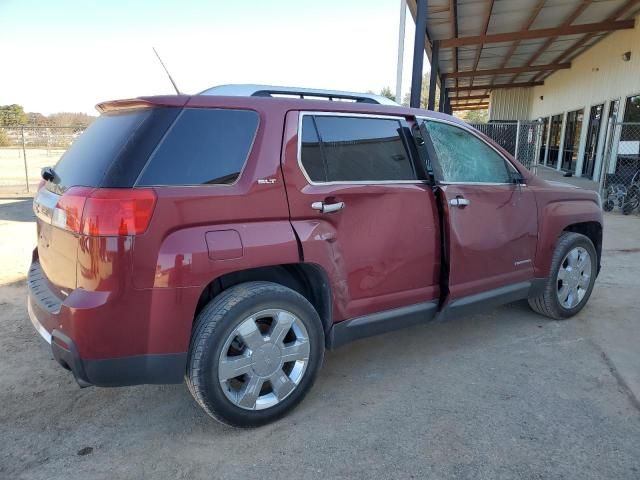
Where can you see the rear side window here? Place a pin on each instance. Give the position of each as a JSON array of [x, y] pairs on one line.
[[354, 149], [94, 153], [204, 146]]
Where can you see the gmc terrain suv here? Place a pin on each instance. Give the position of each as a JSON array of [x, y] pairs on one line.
[[228, 238]]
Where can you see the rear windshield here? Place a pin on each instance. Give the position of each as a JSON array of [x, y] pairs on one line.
[[113, 150], [204, 146], [159, 146]]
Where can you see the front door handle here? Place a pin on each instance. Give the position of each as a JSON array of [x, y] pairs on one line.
[[459, 202], [327, 207]]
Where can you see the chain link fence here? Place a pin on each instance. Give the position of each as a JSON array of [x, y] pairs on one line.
[[25, 150], [620, 174], [520, 139]]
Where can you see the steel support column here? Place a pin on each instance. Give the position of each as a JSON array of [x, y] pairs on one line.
[[418, 53], [443, 95], [433, 78], [403, 17]]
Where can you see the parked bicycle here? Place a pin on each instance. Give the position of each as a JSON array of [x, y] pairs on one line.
[[624, 196]]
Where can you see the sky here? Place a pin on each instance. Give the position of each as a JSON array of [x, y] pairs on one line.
[[68, 55]]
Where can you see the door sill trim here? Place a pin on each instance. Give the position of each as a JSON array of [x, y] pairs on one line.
[[493, 298], [347, 331]]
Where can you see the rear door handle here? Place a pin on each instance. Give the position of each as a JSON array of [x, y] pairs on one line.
[[459, 202], [327, 207]]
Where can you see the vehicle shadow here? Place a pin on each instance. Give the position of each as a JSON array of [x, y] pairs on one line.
[[17, 211]]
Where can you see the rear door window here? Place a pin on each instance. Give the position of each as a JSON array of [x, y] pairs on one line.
[[354, 149], [204, 146]]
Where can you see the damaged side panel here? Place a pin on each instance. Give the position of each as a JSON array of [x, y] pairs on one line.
[[380, 251]]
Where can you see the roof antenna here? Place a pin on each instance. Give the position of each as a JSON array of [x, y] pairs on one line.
[[165, 69]]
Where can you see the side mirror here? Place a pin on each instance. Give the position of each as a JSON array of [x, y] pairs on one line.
[[517, 178]]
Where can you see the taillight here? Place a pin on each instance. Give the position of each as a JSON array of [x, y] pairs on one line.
[[105, 211], [113, 211], [68, 211]]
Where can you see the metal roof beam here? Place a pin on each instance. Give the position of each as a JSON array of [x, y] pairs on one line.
[[484, 106], [568, 21], [574, 49], [471, 97], [485, 28], [497, 85], [472, 104], [606, 26], [500, 71], [526, 26]]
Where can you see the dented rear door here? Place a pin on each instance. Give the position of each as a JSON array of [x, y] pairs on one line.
[[360, 210]]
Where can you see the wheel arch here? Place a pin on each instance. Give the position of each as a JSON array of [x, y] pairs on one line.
[[308, 279], [593, 231], [579, 216]]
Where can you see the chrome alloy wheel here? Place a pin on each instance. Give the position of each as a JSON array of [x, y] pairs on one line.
[[264, 359], [574, 276]]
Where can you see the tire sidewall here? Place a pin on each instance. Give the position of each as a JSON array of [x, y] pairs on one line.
[[281, 298], [577, 240]]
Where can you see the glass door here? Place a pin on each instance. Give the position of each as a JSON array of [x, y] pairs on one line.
[[614, 106], [593, 135], [554, 140], [543, 143], [571, 140]]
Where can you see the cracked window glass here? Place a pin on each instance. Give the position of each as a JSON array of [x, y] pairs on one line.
[[465, 158]]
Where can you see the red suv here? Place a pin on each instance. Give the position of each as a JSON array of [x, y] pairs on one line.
[[229, 237]]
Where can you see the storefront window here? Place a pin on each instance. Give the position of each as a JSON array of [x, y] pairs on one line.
[[632, 109]]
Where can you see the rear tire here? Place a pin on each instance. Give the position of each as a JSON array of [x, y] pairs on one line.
[[255, 352], [571, 278]]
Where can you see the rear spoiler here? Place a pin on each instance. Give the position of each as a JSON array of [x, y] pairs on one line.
[[143, 102]]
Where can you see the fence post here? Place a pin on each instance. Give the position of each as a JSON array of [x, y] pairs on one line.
[[537, 145], [24, 157], [515, 155], [606, 156]]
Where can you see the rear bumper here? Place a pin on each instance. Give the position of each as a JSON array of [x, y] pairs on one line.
[[49, 317]]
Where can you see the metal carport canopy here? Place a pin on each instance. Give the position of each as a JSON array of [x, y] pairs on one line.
[[481, 45]]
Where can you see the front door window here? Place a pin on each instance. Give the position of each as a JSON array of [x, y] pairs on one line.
[[464, 158]]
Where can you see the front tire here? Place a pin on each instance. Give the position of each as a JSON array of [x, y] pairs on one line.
[[571, 279], [255, 352]]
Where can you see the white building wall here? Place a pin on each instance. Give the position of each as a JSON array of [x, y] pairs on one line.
[[510, 104], [595, 77]]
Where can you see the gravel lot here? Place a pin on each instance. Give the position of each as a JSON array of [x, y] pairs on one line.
[[504, 394]]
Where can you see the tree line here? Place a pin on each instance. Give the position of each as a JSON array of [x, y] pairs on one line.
[[15, 116]]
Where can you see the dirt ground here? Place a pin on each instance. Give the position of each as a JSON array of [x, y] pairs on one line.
[[502, 394]]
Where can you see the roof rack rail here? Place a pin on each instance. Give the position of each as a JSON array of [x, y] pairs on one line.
[[295, 92]]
